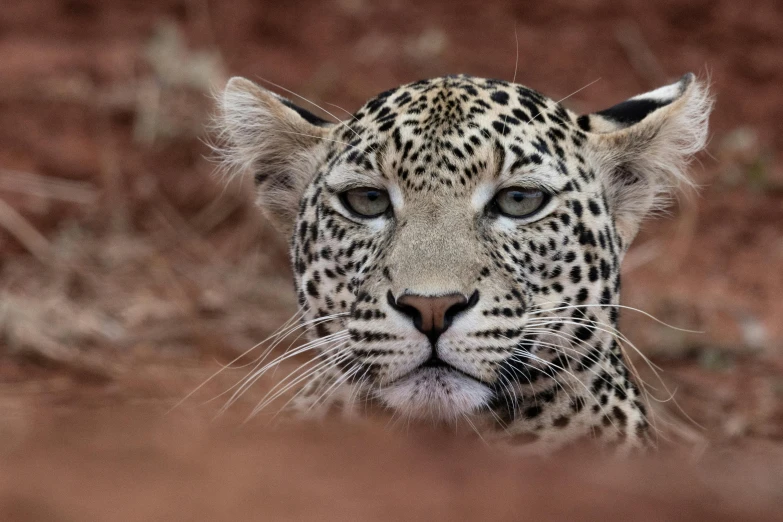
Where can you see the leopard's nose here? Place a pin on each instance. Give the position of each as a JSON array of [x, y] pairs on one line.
[[432, 315]]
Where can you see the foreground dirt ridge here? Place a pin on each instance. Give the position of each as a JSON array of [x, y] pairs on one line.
[[127, 458]]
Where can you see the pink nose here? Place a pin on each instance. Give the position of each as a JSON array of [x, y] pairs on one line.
[[432, 315]]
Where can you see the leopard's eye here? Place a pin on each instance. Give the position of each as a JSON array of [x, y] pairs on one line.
[[518, 202], [366, 202]]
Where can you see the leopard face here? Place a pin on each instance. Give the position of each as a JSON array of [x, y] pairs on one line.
[[456, 244]]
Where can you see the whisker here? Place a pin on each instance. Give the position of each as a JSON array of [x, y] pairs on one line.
[[318, 137], [516, 66], [560, 347], [574, 377], [274, 334], [254, 376], [361, 379], [474, 428], [311, 103], [345, 111], [515, 357], [516, 350], [510, 396], [564, 99], [516, 62], [313, 373], [347, 375], [587, 323], [619, 338], [644, 386], [356, 387], [258, 361], [647, 314]]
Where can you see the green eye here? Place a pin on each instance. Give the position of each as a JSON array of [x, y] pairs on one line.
[[366, 202], [518, 202]]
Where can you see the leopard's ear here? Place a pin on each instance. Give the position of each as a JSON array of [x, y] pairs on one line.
[[642, 148], [262, 134]]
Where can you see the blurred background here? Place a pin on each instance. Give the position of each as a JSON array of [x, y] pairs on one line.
[[128, 269]]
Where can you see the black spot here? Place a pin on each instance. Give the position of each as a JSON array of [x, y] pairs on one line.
[[606, 297], [386, 126], [583, 333], [321, 330], [500, 127], [499, 97], [533, 412]]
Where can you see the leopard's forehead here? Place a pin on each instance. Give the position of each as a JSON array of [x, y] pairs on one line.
[[443, 106], [446, 132]]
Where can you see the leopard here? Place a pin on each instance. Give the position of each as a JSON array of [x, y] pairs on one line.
[[456, 246]]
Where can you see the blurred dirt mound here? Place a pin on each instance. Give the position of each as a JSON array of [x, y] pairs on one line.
[[128, 464]]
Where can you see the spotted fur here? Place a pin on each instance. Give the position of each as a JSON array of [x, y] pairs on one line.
[[536, 360]]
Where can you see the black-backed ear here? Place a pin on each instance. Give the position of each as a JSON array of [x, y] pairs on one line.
[[643, 145], [264, 135]]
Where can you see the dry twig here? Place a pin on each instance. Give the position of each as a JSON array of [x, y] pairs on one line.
[[639, 54], [24, 232], [47, 187]]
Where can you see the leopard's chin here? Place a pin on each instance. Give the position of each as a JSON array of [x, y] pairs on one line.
[[439, 393]]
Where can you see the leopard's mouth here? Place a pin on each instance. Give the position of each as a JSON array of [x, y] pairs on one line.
[[434, 363], [436, 391], [437, 363]]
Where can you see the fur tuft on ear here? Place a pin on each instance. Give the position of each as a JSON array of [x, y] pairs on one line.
[[266, 136], [642, 148]]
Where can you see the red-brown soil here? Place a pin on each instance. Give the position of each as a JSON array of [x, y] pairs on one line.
[[127, 269]]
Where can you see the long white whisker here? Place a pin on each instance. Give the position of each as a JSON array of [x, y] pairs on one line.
[[314, 372], [618, 338], [646, 396], [616, 334], [564, 99], [559, 347], [617, 306], [516, 66], [474, 428], [337, 382], [258, 361], [516, 61], [317, 137], [274, 334], [574, 377], [515, 357], [345, 111], [310, 102], [250, 380], [510, 396]]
